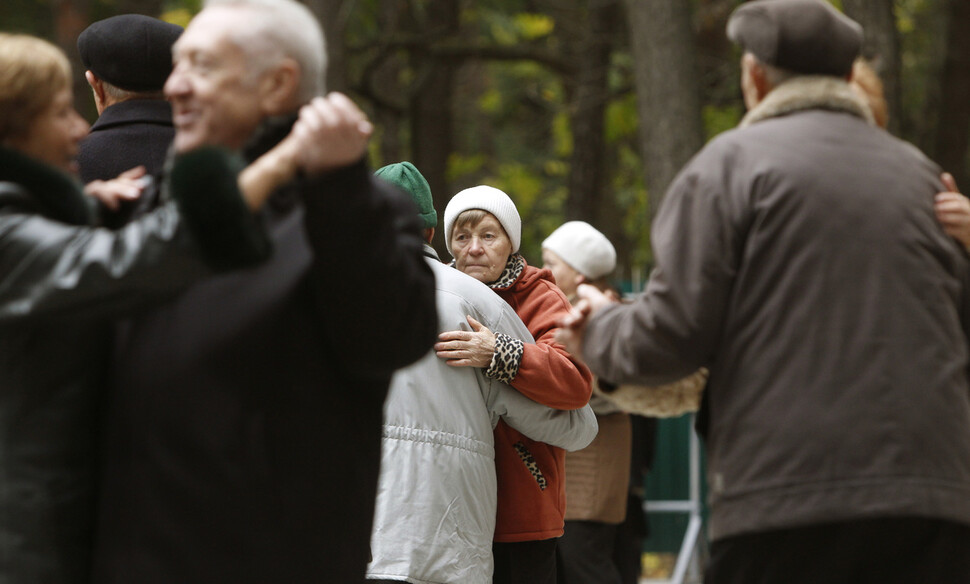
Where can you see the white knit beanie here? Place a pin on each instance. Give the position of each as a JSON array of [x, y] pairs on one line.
[[488, 199], [584, 248]]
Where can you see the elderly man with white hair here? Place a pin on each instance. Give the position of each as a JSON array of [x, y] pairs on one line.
[[243, 426]]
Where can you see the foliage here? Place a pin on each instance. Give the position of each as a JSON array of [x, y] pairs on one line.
[[512, 111]]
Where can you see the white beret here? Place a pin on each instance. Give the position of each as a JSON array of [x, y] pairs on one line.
[[584, 248], [488, 199]]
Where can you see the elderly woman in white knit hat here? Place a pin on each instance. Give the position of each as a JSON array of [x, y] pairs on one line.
[[577, 253], [483, 231], [598, 476]]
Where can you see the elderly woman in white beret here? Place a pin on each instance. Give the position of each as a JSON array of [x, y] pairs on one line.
[[483, 231], [598, 476]]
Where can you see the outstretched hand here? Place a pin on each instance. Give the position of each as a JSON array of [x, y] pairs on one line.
[[128, 186], [953, 211], [473, 348], [572, 327]]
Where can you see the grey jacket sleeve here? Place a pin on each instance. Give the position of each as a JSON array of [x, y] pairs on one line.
[[672, 329], [568, 429]]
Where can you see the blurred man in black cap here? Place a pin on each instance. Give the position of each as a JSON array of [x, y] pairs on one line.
[[128, 58], [799, 259]]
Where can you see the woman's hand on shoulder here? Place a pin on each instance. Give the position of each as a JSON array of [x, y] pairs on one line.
[[127, 187], [473, 348]]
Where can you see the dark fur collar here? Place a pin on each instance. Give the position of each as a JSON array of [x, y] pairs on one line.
[[57, 194]]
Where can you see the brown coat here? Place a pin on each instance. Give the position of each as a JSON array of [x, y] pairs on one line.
[[598, 476], [800, 260]]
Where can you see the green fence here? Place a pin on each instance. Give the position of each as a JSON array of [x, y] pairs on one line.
[[669, 480]]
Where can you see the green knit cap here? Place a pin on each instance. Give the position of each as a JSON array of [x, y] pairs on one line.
[[405, 176]]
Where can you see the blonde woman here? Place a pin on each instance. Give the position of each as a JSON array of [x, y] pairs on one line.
[[59, 280]]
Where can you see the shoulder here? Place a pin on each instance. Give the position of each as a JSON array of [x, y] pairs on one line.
[[469, 293]]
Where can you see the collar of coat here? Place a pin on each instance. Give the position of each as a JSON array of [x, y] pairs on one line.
[[57, 194], [513, 269], [808, 93]]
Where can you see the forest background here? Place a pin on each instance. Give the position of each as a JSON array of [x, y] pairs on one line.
[[579, 109]]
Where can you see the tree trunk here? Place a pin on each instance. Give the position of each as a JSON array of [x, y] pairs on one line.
[[332, 17], [590, 96], [954, 129], [387, 77], [881, 48], [70, 18], [431, 119], [671, 128]]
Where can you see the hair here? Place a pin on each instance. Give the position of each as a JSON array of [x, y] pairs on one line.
[[867, 85], [471, 218], [282, 28], [32, 72], [118, 94], [776, 75]]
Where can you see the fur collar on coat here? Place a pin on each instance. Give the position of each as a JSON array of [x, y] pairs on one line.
[[57, 194], [805, 93]]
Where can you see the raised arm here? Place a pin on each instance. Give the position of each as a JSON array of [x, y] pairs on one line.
[[374, 291], [670, 330]]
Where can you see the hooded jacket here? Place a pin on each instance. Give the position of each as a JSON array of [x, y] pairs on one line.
[[800, 259], [436, 499]]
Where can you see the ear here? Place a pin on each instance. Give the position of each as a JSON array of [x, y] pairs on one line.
[[428, 234], [278, 88], [97, 89], [754, 81]]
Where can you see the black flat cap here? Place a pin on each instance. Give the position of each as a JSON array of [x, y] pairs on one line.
[[803, 36], [131, 51]]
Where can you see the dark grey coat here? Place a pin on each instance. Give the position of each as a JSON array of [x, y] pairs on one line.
[[799, 258], [126, 135]]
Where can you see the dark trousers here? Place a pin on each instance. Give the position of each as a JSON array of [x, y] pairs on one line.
[[586, 554], [525, 562], [876, 551]]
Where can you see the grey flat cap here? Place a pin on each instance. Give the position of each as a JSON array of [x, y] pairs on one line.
[[131, 51], [803, 36]]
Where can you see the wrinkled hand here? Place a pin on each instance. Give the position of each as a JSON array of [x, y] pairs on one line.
[[331, 132], [572, 327], [127, 187], [472, 348], [953, 211]]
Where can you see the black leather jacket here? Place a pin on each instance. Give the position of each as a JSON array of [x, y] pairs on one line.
[[59, 279]]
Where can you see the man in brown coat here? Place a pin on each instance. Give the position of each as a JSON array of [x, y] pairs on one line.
[[799, 259]]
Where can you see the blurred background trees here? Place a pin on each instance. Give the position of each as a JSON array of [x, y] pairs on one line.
[[579, 109]]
